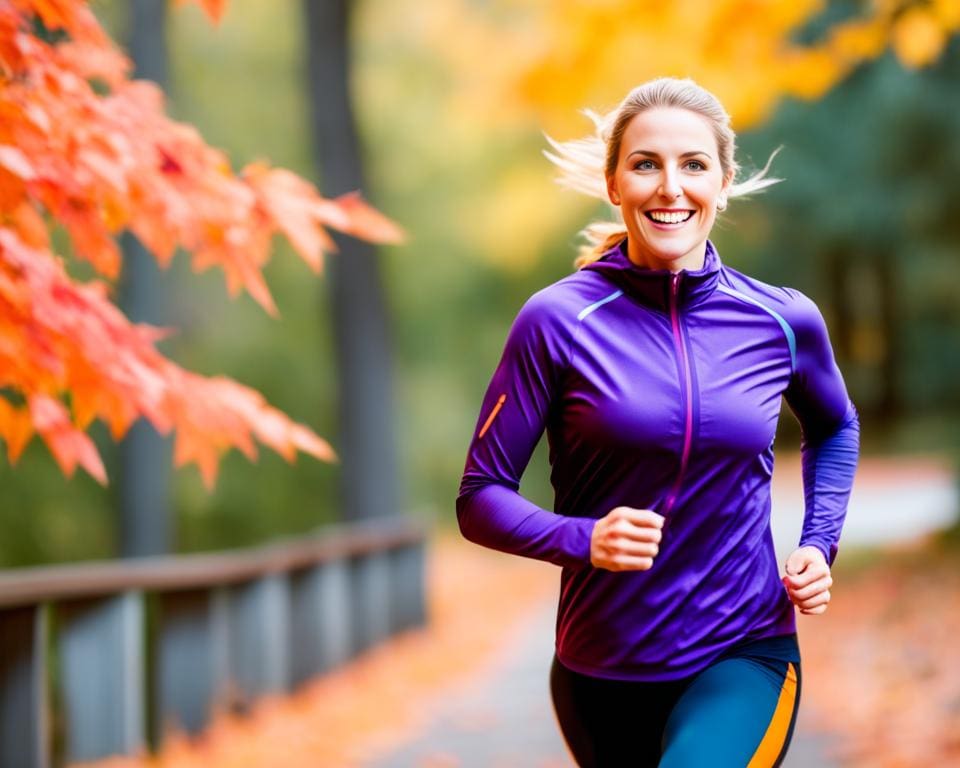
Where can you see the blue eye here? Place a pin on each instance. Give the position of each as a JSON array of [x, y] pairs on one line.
[[698, 165], [644, 165]]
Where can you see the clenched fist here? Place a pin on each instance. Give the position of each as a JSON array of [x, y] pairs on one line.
[[808, 580], [626, 539]]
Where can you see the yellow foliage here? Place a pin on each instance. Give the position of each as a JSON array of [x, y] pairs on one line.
[[947, 13], [918, 37], [513, 227], [559, 55], [858, 40]]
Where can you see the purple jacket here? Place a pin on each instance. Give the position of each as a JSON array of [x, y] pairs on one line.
[[662, 392]]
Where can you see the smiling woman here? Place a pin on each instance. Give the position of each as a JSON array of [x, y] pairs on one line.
[[658, 374]]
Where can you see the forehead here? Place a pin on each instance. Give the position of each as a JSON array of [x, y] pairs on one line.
[[669, 130]]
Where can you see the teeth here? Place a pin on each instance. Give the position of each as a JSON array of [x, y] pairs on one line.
[[669, 218]]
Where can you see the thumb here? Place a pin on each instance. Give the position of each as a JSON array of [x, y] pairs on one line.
[[797, 562]]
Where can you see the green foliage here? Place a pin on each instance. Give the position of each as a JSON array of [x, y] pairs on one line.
[[871, 185]]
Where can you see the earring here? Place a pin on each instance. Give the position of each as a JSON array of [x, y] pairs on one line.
[[721, 204]]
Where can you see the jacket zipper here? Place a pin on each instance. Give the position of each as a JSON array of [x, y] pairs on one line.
[[686, 386]]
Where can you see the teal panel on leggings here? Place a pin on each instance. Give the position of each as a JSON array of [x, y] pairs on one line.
[[724, 714]]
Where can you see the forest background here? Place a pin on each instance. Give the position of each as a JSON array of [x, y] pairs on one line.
[[452, 138]]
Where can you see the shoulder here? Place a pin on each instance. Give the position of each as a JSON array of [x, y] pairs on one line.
[[559, 306], [795, 308]]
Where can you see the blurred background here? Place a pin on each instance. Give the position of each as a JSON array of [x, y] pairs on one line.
[[451, 99]]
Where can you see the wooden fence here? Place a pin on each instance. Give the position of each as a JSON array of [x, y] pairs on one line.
[[102, 658]]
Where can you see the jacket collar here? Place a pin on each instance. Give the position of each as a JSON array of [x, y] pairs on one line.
[[652, 287]]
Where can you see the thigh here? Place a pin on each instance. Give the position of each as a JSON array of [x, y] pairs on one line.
[[611, 723], [738, 713]]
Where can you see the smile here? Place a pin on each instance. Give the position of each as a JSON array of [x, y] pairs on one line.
[[668, 217]]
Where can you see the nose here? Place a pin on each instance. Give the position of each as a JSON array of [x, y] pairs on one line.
[[670, 186]]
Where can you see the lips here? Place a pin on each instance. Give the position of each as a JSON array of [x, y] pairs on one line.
[[664, 216]]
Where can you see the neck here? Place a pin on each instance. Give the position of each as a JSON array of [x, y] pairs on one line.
[[691, 261]]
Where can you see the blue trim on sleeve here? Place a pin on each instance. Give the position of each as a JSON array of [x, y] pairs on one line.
[[597, 304], [787, 330]]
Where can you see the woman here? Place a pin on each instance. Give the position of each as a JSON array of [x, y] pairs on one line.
[[657, 372]]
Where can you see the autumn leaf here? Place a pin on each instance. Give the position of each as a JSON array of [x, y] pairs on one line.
[[213, 8], [364, 221], [68, 444], [98, 164], [296, 208], [16, 429]]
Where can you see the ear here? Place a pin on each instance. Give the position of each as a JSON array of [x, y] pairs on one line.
[[727, 182], [612, 192]]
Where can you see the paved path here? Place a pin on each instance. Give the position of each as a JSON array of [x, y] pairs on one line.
[[505, 719]]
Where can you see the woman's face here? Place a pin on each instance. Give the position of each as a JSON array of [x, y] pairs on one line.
[[667, 183]]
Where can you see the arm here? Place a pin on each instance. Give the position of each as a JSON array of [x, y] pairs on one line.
[[828, 451], [512, 418], [831, 431]]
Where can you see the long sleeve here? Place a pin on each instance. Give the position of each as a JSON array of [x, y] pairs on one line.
[[831, 431], [514, 413]]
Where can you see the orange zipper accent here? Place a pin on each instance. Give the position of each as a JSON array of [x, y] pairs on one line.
[[492, 416]]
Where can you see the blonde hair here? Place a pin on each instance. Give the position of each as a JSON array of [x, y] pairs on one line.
[[585, 164]]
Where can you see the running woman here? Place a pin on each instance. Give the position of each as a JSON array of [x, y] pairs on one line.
[[657, 372]]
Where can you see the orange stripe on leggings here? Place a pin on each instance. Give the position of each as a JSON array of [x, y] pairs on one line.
[[493, 415], [772, 743]]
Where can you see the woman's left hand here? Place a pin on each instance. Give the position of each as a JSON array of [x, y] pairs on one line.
[[808, 580]]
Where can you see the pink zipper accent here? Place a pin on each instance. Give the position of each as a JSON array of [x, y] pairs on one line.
[[687, 389]]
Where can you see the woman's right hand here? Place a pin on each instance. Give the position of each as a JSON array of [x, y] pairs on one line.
[[626, 539]]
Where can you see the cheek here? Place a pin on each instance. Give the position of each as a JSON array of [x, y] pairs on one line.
[[705, 195], [637, 188]]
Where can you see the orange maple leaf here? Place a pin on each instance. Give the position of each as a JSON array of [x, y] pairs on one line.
[[213, 8], [16, 429], [68, 444]]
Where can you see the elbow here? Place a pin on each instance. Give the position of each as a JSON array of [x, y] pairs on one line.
[[851, 418], [846, 429], [464, 516], [849, 429]]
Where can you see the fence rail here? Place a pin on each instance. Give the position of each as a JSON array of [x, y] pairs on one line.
[[115, 653]]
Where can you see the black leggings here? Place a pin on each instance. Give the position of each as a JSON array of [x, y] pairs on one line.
[[737, 713]]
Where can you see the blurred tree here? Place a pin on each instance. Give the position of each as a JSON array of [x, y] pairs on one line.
[[143, 492], [93, 150], [364, 355]]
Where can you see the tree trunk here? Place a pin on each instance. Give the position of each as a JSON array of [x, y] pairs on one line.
[[366, 445], [891, 402], [143, 487]]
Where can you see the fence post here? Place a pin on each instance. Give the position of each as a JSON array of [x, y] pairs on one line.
[[408, 576], [24, 730], [101, 642], [259, 636], [372, 596], [192, 664], [320, 635]]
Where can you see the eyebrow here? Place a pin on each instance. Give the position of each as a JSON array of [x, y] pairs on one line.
[[648, 153]]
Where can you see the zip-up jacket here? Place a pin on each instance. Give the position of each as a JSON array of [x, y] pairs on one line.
[[661, 391]]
